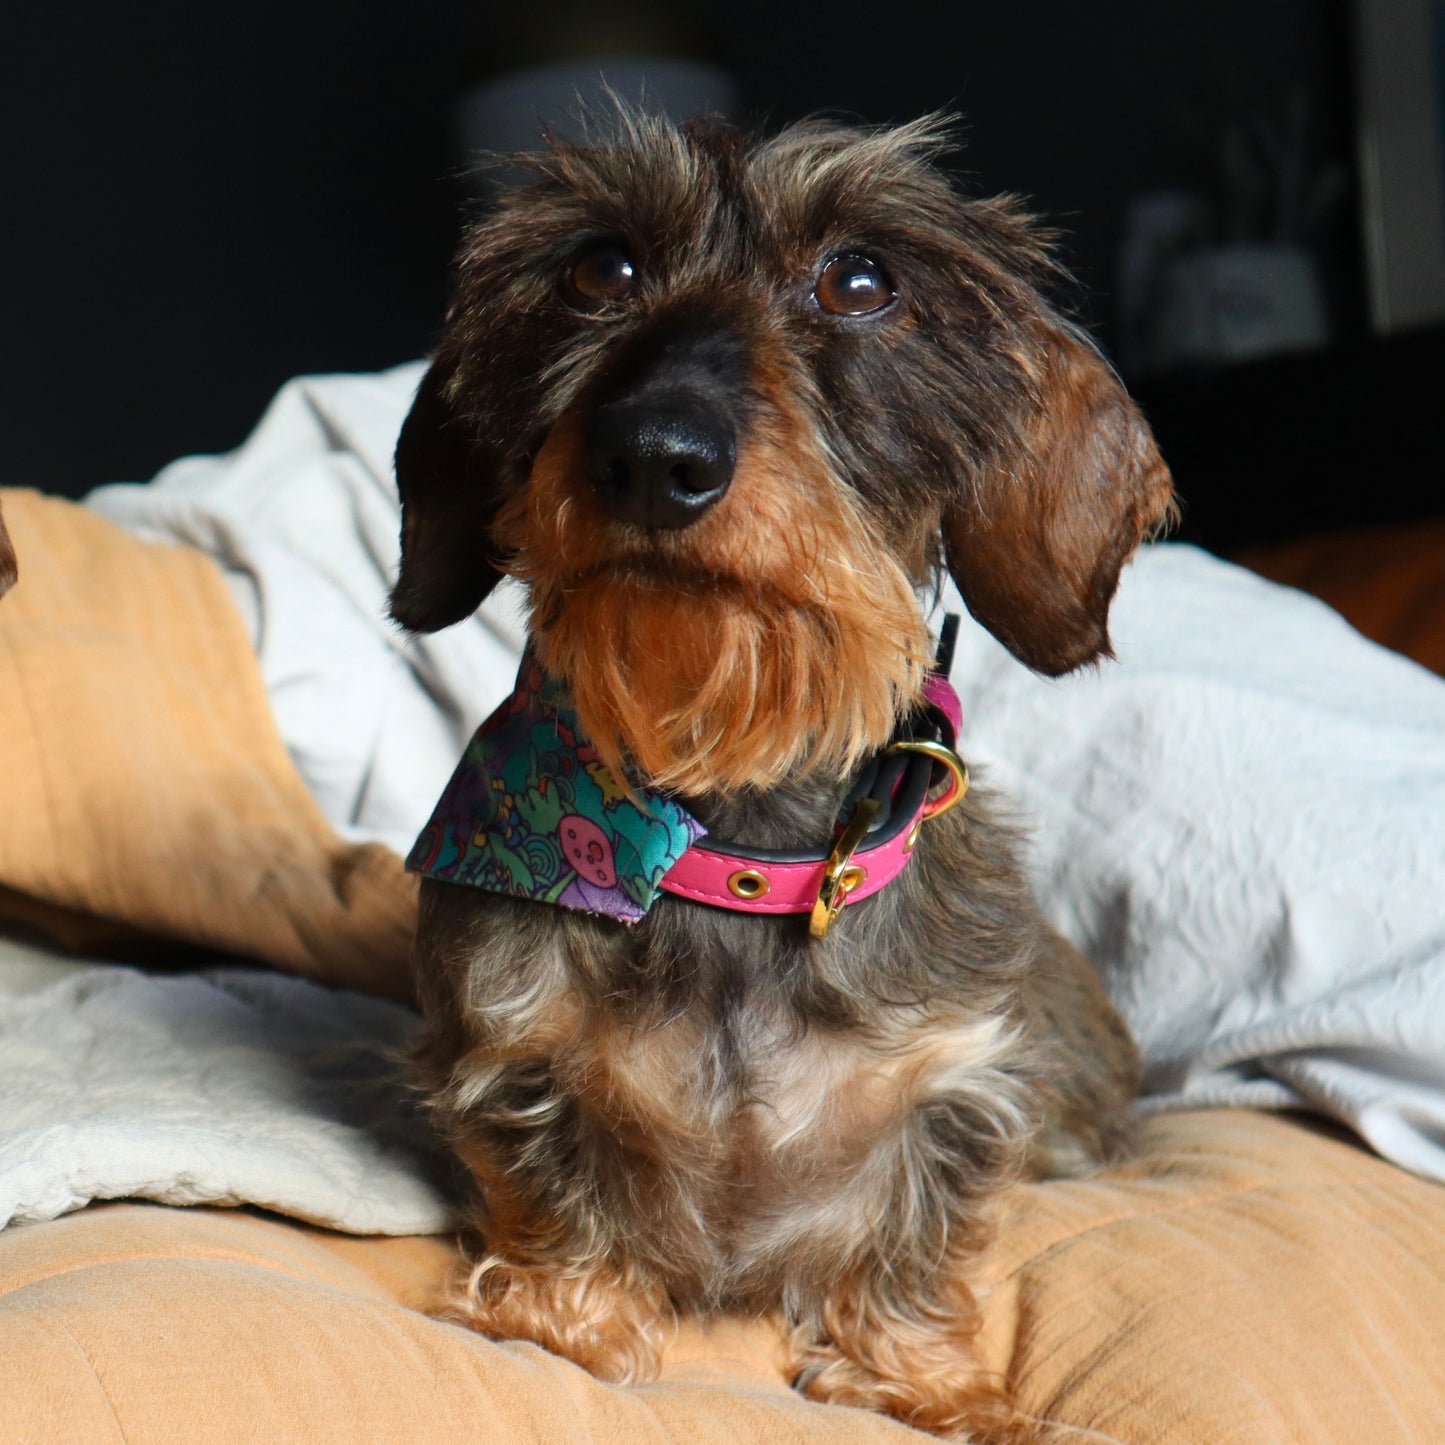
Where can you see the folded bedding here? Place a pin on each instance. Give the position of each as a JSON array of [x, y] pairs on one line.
[[1241, 820], [222, 1085], [1245, 1281], [213, 747]]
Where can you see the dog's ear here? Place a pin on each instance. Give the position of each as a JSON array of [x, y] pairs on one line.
[[8, 570], [1037, 550], [448, 504]]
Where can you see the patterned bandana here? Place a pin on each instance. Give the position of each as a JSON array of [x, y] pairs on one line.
[[530, 811]]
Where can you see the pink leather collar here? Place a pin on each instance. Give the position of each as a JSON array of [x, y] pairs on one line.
[[758, 882]]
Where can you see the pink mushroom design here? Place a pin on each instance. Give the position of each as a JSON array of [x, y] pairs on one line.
[[586, 848]]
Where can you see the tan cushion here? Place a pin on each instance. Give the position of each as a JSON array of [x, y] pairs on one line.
[[144, 1324], [146, 790], [1247, 1280]]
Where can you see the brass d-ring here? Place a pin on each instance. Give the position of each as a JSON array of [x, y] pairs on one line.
[[940, 753], [747, 884]]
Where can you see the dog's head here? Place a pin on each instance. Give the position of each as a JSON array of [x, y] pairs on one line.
[[727, 403]]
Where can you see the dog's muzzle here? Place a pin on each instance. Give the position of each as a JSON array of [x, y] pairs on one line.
[[659, 463]]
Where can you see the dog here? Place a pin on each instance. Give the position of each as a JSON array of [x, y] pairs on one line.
[[728, 404]]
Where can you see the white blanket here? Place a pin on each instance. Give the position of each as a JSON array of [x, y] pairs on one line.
[[1242, 821], [226, 1086]]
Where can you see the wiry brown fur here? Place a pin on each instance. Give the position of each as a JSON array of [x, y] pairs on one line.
[[711, 1110], [682, 652]]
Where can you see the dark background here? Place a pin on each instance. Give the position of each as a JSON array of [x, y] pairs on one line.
[[204, 201]]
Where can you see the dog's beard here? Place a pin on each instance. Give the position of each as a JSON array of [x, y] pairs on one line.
[[775, 637], [720, 685]]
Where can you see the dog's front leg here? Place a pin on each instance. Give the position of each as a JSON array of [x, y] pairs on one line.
[[593, 1312], [890, 1322], [537, 1279], [888, 1339]]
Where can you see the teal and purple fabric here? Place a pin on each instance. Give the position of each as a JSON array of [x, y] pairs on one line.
[[532, 812]]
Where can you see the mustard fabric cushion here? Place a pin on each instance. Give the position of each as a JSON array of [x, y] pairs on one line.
[[1246, 1279], [147, 795]]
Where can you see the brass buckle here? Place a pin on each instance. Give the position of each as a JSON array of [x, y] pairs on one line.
[[940, 753], [839, 880]]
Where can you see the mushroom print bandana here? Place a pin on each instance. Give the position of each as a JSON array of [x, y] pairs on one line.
[[531, 812]]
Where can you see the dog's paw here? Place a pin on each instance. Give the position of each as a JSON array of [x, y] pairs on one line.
[[874, 1346], [607, 1320]]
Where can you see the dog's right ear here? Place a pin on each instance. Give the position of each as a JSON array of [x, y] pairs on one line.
[[448, 504], [8, 570], [1037, 550]]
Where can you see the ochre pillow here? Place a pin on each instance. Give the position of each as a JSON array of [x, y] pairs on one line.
[[1246, 1280], [146, 792], [1249, 1278]]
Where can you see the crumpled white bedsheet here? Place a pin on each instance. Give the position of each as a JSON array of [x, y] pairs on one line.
[[1242, 820], [225, 1086]]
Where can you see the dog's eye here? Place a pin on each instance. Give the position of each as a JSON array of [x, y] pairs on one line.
[[604, 274], [853, 286]]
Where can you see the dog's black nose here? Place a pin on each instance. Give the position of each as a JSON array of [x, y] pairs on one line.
[[659, 464]]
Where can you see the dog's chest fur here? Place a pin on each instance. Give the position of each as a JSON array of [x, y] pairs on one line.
[[708, 1078]]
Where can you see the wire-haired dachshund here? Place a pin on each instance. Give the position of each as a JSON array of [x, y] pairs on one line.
[[734, 999]]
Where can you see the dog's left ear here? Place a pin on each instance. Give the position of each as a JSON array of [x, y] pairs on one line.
[[1037, 550], [448, 504]]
